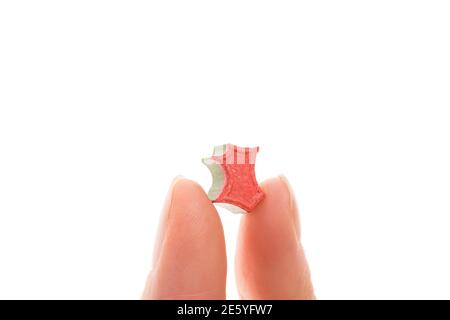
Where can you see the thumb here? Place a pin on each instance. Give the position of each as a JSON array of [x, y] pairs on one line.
[[189, 256]]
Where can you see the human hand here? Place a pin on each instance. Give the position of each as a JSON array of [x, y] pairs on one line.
[[190, 260]]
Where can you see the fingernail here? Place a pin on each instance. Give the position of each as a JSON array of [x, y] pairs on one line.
[[293, 210], [163, 221]]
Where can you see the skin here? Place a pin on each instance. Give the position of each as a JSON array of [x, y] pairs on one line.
[[190, 260]]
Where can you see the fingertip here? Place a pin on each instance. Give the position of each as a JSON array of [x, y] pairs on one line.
[[277, 211], [270, 262], [192, 260], [186, 191]]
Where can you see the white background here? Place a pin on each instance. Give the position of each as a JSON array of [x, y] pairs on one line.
[[102, 103]]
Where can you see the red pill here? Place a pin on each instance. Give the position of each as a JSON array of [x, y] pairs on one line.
[[234, 182]]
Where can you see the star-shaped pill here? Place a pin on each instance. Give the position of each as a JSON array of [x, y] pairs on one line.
[[234, 182]]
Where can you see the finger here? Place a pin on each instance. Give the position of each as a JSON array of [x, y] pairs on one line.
[[270, 261], [189, 255]]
